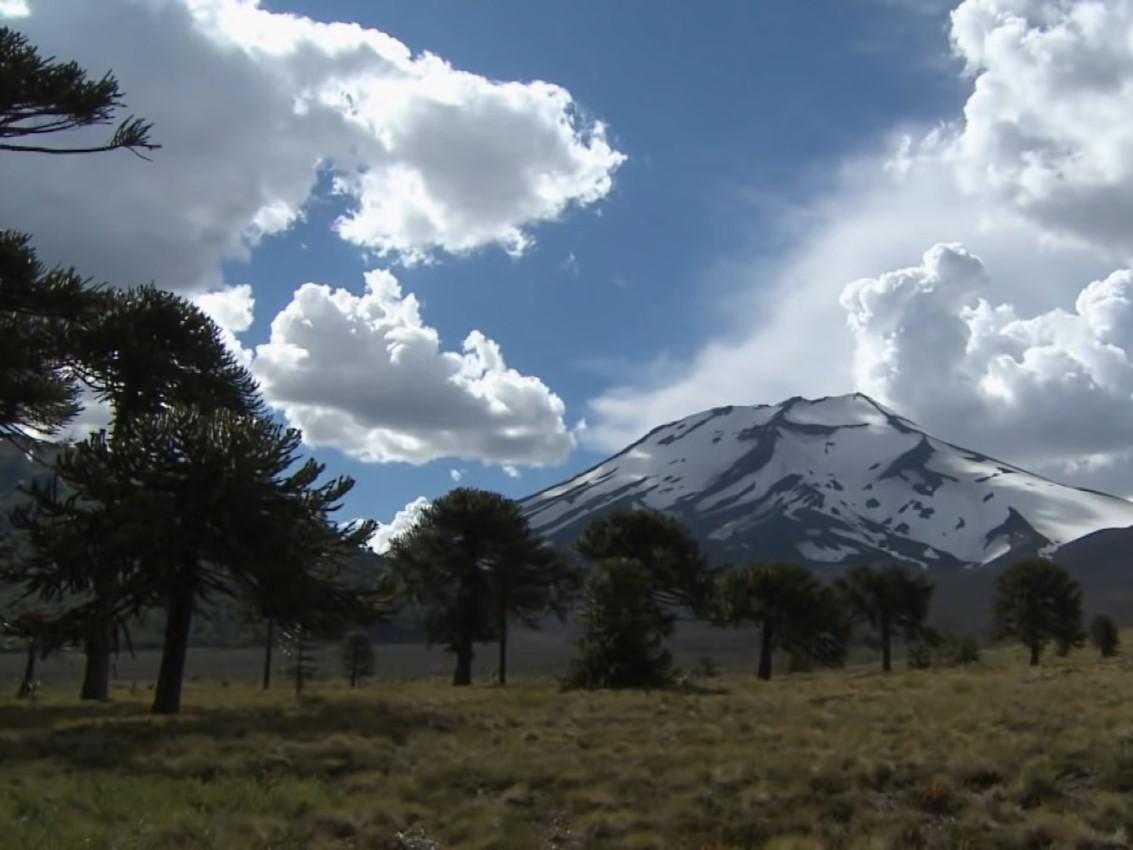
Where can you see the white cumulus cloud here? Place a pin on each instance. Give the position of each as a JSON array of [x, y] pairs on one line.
[[252, 106], [402, 522], [233, 309], [364, 374], [1035, 178], [1051, 388]]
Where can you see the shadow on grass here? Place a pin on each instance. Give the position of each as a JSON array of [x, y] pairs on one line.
[[125, 736]]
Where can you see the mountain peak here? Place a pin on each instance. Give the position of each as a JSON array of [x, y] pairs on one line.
[[837, 479]]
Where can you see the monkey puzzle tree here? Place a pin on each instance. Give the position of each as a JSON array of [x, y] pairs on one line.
[[624, 630], [1036, 602], [670, 556], [471, 563], [43, 312], [892, 600], [1104, 635], [148, 351], [216, 497], [40, 97], [357, 657], [791, 607]]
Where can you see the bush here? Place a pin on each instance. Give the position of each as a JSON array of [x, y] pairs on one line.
[[958, 651], [1104, 636], [705, 667], [919, 656], [623, 631]]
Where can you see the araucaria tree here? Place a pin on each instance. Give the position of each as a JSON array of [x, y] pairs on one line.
[[217, 498], [471, 564], [669, 556], [44, 312], [357, 657], [1104, 635], [624, 630], [1038, 602], [793, 610], [892, 600], [148, 351], [41, 97]]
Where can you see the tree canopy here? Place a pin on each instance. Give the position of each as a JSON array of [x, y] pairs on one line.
[[678, 573], [793, 610], [1037, 602], [41, 96], [892, 600], [471, 563]]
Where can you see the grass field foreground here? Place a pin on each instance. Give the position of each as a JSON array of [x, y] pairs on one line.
[[994, 756]]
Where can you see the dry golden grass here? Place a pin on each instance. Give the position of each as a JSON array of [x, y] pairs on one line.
[[995, 756]]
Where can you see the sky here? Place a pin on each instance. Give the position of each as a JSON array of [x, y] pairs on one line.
[[489, 244]]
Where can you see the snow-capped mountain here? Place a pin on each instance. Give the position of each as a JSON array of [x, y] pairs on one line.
[[829, 481]]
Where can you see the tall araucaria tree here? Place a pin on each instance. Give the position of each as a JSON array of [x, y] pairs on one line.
[[892, 600], [147, 352], [471, 563], [662, 546], [1037, 602], [791, 607]]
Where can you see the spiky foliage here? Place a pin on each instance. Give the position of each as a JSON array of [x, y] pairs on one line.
[[662, 545], [212, 503], [1104, 635], [357, 657], [147, 351], [1037, 602], [472, 563], [42, 316], [624, 630], [791, 607], [40, 96], [892, 600], [152, 350]]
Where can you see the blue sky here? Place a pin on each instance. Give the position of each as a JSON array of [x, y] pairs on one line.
[[443, 235], [723, 117]]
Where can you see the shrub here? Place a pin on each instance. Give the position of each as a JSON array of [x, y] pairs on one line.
[[1104, 636], [624, 629], [919, 656], [958, 651]]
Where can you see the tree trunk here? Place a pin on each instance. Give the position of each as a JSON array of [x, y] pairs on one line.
[[765, 647], [1035, 654], [300, 660], [354, 666], [886, 646], [27, 684], [178, 619], [463, 673], [503, 643], [96, 675], [267, 653]]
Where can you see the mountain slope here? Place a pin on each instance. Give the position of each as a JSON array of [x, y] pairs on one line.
[[829, 481]]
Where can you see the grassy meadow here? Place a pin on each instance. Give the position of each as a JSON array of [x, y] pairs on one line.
[[996, 755]]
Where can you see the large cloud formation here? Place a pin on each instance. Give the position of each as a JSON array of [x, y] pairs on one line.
[[1054, 386], [1036, 178], [1048, 128], [256, 111], [364, 374]]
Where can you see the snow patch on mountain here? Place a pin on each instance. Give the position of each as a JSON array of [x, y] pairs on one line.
[[831, 480]]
